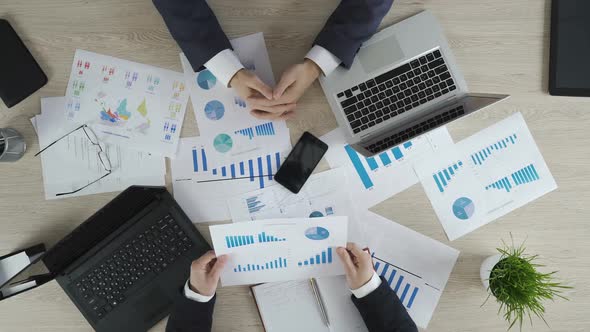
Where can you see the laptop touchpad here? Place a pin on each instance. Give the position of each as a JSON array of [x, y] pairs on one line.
[[380, 53], [152, 304]]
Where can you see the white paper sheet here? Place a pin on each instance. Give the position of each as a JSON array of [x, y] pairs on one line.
[[202, 189], [290, 306], [225, 124], [73, 161], [322, 195], [135, 105], [485, 176], [415, 266], [280, 249], [373, 180]]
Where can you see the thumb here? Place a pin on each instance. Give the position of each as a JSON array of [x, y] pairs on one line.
[[284, 83], [218, 267], [256, 84], [349, 267]]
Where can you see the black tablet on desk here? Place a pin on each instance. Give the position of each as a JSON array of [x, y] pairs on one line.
[[569, 67]]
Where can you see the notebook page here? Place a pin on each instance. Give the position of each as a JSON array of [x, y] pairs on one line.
[[343, 315]]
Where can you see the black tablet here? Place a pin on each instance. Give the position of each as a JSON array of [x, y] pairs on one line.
[[569, 63], [20, 75]]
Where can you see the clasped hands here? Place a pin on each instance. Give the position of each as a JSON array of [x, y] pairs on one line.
[[278, 103]]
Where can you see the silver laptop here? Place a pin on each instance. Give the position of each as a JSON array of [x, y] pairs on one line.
[[403, 83]]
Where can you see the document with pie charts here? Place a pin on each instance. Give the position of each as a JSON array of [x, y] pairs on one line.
[[485, 176], [223, 117]]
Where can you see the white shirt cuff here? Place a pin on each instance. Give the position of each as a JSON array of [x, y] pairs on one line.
[[367, 288], [189, 294], [324, 59], [224, 65]]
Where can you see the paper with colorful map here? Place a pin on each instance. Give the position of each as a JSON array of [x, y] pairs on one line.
[[132, 104]]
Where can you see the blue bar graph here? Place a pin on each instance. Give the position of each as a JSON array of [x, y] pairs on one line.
[[479, 157], [254, 204], [199, 160], [242, 240], [405, 290], [385, 159], [523, 176], [263, 168], [360, 168], [372, 163], [265, 129], [325, 257], [444, 176], [273, 264], [397, 153]]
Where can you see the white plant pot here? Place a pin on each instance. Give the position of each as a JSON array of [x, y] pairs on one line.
[[486, 269]]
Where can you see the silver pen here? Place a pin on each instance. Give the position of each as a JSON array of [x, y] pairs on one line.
[[320, 301]]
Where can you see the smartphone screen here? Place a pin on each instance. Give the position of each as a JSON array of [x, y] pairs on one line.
[[301, 162]]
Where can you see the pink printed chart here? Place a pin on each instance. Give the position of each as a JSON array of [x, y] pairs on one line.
[[135, 105]]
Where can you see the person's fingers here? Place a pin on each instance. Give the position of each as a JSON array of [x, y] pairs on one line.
[[349, 267], [286, 81], [205, 259], [287, 116], [262, 115], [218, 267], [260, 101], [356, 251], [256, 84], [278, 109]]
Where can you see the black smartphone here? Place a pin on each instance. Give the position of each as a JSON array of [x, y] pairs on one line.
[[20, 74], [301, 162]]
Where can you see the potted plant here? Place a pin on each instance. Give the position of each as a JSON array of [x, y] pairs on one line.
[[513, 279]]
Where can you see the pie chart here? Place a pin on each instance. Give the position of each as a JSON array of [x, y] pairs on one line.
[[214, 110], [463, 208], [317, 233], [316, 214], [206, 80], [223, 143]]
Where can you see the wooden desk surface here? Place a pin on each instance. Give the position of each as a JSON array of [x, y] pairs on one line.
[[501, 46]]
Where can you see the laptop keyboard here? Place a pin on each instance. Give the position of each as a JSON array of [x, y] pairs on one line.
[[396, 91], [103, 288], [420, 128]]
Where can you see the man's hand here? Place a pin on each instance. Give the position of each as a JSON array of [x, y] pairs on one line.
[[205, 273], [258, 95], [357, 265], [294, 81]]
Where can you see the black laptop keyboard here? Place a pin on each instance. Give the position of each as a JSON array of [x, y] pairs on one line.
[[104, 287], [420, 128], [396, 91]]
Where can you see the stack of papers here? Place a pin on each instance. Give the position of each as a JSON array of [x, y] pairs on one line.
[[235, 152], [136, 112], [73, 162]]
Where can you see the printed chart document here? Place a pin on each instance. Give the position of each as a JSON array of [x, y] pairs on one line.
[[290, 306], [485, 176], [415, 266], [202, 189], [224, 119], [375, 179], [322, 195], [135, 105], [73, 162], [280, 249]]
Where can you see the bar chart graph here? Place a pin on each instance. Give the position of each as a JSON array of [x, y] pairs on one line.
[[394, 276], [278, 263], [365, 165], [482, 155], [199, 160], [244, 240], [254, 204], [443, 177], [324, 257], [265, 129], [261, 169], [523, 176]]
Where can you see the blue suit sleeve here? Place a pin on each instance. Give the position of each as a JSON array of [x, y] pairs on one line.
[[351, 24], [195, 28], [189, 316]]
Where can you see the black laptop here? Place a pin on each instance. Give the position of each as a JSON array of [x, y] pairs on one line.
[[124, 266]]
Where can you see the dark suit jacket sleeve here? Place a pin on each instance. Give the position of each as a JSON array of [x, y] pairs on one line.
[[191, 316], [382, 311], [351, 24], [196, 29]]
